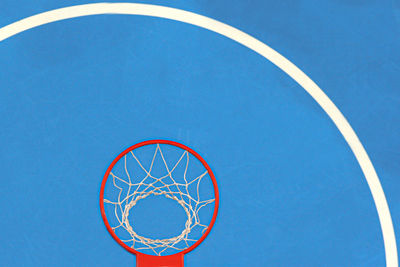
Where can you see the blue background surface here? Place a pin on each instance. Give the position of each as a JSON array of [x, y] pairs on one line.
[[74, 94]]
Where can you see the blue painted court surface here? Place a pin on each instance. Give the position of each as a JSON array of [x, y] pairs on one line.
[[76, 93]]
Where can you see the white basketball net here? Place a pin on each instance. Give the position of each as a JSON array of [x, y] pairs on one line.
[[138, 188]]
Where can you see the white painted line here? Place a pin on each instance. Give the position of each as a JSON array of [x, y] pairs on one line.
[[207, 23]]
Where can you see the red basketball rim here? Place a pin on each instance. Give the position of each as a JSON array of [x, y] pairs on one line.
[[152, 142]]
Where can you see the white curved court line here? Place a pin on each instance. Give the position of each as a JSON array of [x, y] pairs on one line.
[[207, 23]]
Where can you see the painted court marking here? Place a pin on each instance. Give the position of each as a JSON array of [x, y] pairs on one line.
[[285, 65]]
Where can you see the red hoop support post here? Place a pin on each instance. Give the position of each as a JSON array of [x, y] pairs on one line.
[[144, 260]]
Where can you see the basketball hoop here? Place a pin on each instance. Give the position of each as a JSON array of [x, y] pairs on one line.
[[182, 178]]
